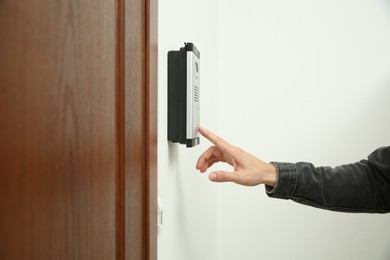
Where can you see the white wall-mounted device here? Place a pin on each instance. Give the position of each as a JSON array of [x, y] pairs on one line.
[[183, 95], [159, 215]]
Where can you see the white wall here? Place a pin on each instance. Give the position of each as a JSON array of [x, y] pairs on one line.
[[189, 200], [287, 81], [303, 80]]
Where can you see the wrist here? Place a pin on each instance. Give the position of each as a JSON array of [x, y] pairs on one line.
[[270, 175]]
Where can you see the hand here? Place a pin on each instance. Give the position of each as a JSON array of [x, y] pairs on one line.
[[248, 170]]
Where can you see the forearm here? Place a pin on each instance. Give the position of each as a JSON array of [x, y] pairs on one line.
[[359, 187]]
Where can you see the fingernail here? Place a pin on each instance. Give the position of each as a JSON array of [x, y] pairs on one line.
[[212, 177]]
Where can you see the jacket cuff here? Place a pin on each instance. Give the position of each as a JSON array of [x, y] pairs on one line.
[[286, 181]]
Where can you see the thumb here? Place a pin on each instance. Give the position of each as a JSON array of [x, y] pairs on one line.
[[222, 176]]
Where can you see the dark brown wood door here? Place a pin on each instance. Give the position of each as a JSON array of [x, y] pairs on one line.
[[65, 168]]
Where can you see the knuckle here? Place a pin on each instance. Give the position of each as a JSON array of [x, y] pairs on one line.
[[235, 152]]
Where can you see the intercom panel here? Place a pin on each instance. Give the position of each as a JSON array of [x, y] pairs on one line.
[[184, 95]]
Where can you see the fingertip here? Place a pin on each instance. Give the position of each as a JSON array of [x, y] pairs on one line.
[[213, 177], [197, 166], [201, 165], [202, 130]]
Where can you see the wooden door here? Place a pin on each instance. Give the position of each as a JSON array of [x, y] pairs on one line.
[[77, 156]]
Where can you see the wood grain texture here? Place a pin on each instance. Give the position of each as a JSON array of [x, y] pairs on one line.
[[135, 130], [120, 202], [58, 130], [141, 128], [151, 108], [78, 135]]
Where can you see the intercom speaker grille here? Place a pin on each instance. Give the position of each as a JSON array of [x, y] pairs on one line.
[[196, 93]]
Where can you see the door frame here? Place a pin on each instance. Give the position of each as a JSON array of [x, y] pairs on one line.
[[137, 27], [152, 109]]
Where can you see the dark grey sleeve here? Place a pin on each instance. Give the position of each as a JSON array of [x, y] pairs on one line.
[[358, 187]]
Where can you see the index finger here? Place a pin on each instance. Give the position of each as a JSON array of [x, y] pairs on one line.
[[215, 139]]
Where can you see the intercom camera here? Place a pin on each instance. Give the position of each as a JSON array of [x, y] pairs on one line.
[[183, 95]]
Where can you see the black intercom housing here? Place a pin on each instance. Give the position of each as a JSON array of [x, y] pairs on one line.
[[183, 95]]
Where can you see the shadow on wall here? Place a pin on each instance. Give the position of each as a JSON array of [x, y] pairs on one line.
[[181, 198], [173, 152]]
